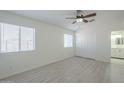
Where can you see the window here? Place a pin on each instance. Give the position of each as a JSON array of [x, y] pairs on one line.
[[68, 40], [15, 38], [9, 38], [27, 38]]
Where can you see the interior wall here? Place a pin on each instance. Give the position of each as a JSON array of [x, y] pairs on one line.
[[93, 43], [49, 46], [86, 43], [103, 44]]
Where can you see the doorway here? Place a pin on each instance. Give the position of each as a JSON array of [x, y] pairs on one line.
[[117, 47]]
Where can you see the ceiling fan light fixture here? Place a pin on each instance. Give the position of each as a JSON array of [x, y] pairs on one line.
[[79, 20]]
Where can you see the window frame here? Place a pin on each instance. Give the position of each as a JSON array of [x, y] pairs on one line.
[[71, 46], [34, 45], [19, 40]]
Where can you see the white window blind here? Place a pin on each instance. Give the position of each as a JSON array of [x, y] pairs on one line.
[[27, 38], [15, 38], [68, 40]]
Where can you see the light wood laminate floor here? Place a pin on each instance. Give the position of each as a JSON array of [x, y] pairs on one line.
[[72, 70], [117, 61]]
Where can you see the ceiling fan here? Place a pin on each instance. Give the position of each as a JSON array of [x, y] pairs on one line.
[[81, 18]]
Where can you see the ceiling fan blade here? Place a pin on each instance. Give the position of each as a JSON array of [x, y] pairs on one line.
[[74, 22], [85, 21], [91, 20], [90, 15], [70, 18]]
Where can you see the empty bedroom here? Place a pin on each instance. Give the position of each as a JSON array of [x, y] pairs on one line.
[[59, 46]]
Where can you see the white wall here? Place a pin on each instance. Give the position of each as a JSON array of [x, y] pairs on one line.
[[93, 43], [103, 44], [49, 46], [85, 43]]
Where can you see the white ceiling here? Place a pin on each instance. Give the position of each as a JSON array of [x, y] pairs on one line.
[[57, 17]]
